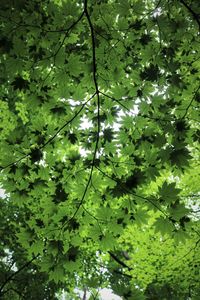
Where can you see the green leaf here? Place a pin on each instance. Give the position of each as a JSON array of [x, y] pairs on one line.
[[107, 242], [57, 274], [163, 226], [37, 248], [179, 211], [99, 148], [168, 192]]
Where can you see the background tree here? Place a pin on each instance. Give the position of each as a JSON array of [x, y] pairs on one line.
[[99, 136]]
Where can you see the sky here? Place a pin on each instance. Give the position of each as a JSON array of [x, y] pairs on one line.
[[106, 294], [2, 195]]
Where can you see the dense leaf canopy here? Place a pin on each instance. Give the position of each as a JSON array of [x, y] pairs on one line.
[[99, 148]]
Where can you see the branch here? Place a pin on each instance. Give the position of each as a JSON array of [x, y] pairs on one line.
[[15, 273], [53, 137], [143, 116], [84, 294], [94, 78], [130, 192], [14, 290], [31, 25], [98, 105], [195, 211], [119, 261], [186, 111], [195, 16], [68, 122], [62, 43], [122, 274], [118, 101], [191, 249], [66, 34]]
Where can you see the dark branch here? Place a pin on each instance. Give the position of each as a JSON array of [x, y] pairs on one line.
[[186, 111], [15, 273], [98, 104], [94, 76], [119, 261], [195, 16], [32, 25], [126, 108], [116, 100], [62, 43], [14, 290], [84, 294], [130, 192], [67, 123], [192, 249], [53, 137], [122, 274]]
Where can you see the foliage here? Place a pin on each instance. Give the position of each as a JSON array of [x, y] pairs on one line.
[[99, 147]]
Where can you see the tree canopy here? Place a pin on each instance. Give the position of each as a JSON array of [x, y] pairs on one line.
[[100, 148]]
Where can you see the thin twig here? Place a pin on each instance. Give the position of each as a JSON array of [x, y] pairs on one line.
[[53, 137], [186, 111], [130, 192], [15, 273], [62, 42], [116, 100]]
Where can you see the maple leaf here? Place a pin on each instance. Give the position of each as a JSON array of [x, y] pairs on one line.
[[99, 134]]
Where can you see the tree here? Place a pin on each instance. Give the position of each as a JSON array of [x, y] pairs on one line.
[[99, 145]]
